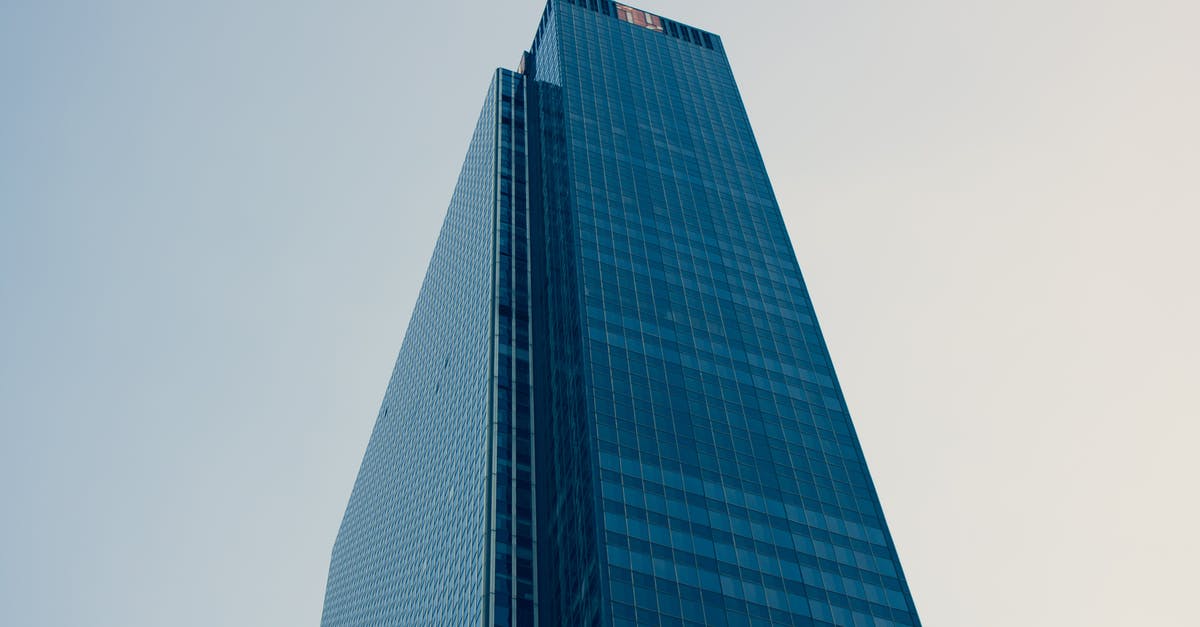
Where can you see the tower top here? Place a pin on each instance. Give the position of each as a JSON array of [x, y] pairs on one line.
[[650, 21]]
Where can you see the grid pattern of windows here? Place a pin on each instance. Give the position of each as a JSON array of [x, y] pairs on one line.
[[410, 551], [613, 405], [732, 487]]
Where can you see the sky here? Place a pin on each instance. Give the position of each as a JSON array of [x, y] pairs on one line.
[[215, 218]]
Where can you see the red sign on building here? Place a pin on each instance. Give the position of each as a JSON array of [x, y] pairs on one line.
[[639, 17]]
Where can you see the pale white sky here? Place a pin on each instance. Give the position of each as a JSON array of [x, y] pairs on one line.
[[215, 216]]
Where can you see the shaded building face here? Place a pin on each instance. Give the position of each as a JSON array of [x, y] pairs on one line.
[[613, 405]]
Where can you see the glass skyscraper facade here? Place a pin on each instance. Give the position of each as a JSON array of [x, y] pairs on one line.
[[613, 405]]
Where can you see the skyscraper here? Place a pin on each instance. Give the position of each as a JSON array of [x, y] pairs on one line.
[[613, 404]]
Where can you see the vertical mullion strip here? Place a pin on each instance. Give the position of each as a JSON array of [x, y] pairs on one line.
[[514, 379], [490, 482]]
